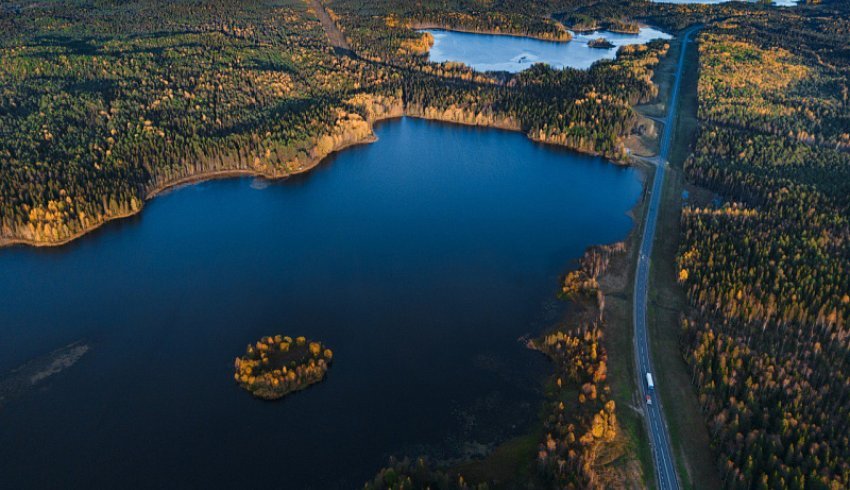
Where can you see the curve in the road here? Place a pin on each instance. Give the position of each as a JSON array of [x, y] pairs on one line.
[[659, 438]]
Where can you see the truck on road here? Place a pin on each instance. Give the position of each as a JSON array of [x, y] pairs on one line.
[[650, 387]]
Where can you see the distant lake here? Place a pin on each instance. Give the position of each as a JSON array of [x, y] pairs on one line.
[[421, 259], [490, 52]]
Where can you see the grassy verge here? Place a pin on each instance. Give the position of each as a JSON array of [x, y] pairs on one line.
[[663, 77], [686, 120], [688, 431]]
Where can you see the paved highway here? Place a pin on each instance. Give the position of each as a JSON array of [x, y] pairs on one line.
[[665, 468]]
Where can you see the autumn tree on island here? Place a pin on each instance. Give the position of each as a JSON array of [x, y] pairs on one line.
[[276, 366]]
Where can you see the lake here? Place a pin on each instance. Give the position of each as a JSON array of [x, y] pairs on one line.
[[421, 260], [490, 52]]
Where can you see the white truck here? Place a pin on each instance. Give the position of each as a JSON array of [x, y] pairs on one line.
[[650, 388]]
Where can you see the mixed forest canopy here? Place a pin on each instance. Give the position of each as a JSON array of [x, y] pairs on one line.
[[103, 105], [767, 268]]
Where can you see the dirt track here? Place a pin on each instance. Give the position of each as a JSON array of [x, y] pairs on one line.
[[335, 36]]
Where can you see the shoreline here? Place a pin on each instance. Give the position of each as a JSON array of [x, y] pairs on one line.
[[183, 182], [227, 174], [571, 31], [413, 112], [613, 30], [421, 26], [575, 310]]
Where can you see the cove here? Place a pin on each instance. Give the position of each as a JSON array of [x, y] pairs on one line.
[[421, 259], [490, 52]]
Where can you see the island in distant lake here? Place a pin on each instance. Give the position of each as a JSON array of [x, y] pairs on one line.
[[277, 366], [600, 42]]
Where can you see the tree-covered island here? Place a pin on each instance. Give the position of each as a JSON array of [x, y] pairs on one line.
[[277, 366]]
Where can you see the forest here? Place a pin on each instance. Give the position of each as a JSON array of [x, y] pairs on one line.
[[101, 107], [766, 267], [104, 106]]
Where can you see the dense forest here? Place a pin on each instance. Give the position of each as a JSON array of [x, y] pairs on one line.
[[766, 266], [364, 21], [103, 106]]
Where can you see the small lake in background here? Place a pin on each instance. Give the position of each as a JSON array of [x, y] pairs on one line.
[[421, 260], [491, 52]]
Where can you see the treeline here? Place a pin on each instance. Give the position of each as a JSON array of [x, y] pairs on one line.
[[624, 15], [494, 22], [364, 24], [414, 475], [579, 417], [580, 22], [102, 106], [589, 110], [767, 271]]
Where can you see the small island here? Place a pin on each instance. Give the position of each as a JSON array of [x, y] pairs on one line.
[[600, 42], [277, 366]]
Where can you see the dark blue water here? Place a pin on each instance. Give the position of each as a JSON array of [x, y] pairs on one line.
[[420, 259]]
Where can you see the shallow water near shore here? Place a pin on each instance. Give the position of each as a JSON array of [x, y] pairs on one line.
[[421, 260], [489, 52]]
